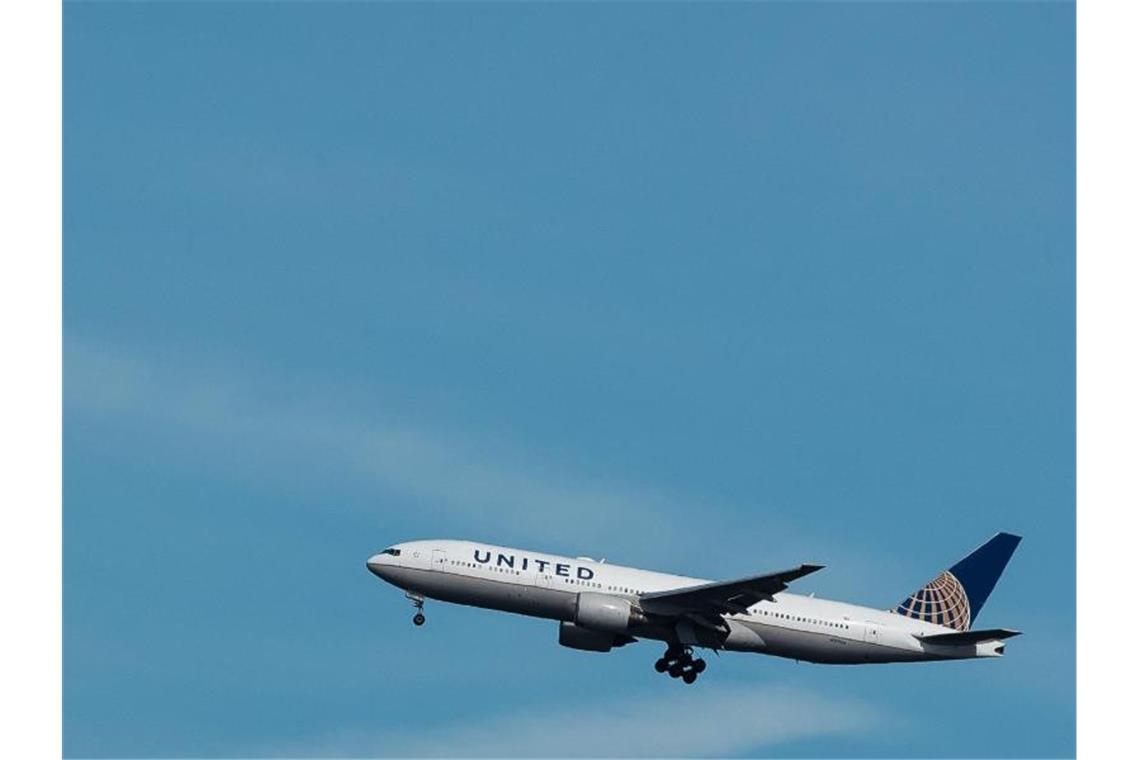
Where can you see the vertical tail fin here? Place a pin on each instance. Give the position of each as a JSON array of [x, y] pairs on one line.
[[956, 596]]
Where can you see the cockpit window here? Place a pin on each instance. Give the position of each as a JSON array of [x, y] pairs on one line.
[[393, 552]]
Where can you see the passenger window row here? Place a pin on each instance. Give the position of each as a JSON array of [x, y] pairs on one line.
[[491, 568], [576, 582], [813, 621]]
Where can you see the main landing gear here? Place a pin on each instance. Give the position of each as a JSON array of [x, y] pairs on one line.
[[678, 662], [418, 619]]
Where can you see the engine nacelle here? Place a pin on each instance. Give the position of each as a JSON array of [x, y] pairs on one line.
[[602, 612], [576, 637]]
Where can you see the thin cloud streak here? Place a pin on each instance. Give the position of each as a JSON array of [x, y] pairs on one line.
[[271, 426], [306, 433], [707, 721]]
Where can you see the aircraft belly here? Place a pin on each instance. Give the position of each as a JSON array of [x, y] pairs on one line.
[[808, 646]]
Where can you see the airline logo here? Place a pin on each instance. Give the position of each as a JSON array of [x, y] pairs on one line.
[[942, 601], [523, 562]]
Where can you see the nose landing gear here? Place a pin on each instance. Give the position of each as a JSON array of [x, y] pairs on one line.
[[418, 619], [678, 662]]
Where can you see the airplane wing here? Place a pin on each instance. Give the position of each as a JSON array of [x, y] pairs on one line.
[[970, 637], [722, 597]]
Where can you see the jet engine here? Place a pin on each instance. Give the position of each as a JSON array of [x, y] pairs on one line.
[[610, 614], [577, 637]]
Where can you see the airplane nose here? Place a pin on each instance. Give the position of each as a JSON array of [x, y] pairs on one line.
[[375, 565]]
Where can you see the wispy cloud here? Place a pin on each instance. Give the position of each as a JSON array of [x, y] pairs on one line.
[[263, 424], [308, 432], [288, 426], [703, 721]]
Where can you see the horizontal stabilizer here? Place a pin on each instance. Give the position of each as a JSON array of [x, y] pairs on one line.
[[970, 637]]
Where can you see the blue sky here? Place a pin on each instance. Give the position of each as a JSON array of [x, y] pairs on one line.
[[706, 289]]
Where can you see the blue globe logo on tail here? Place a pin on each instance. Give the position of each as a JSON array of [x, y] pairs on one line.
[[942, 601], [956, 596]]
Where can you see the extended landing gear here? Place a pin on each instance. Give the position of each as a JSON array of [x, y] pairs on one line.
[[418, 601], [678, 662]]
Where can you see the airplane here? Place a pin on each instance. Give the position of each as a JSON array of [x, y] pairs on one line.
[[600, 606]]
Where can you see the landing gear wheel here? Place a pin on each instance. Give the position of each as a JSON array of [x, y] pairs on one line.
[[418, 603], [678, 662]]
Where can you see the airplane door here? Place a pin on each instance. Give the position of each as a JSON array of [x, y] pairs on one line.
[[438, 559], [870, 633]]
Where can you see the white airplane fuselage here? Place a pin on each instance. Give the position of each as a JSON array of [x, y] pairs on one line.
[[554, 587]]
